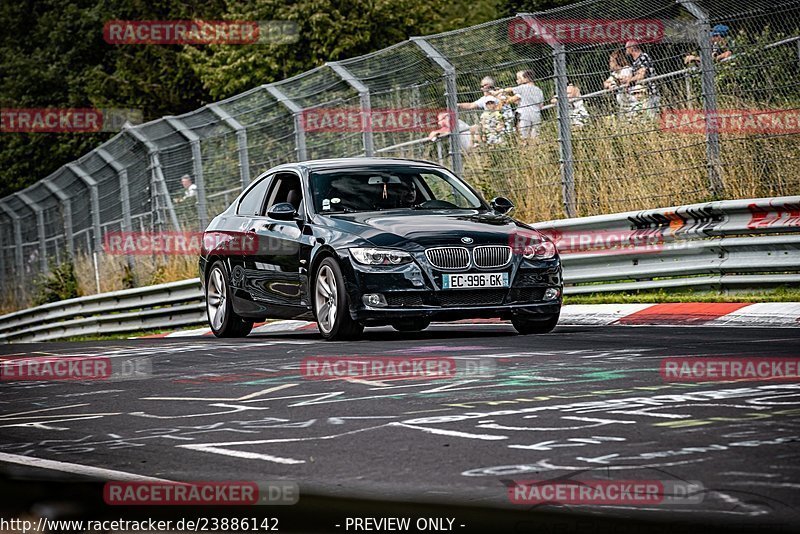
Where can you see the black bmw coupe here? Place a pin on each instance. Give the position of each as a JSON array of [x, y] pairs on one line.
[[374, 241]]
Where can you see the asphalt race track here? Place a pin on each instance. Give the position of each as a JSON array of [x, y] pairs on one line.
[[581, 403]]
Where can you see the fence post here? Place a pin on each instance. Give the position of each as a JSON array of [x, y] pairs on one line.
[[451, 96], [297, 112], [566, 159], [708, 71], [241, 142], [157, 177], [39, 212], [17, 236], [91, 184], [124, 189], [564, 131], [66, 211], [366, 106], [124, 196], [197, 165]]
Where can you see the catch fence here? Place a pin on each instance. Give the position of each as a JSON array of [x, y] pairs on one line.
[[717, 118]]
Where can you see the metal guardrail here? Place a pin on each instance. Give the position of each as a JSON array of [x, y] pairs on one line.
[[145, 308], [724, 244]]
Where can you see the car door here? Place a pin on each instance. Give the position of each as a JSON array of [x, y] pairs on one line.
[[274, 262], [248, 207]]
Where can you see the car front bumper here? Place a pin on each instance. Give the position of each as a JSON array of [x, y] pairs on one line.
[[415, 291]]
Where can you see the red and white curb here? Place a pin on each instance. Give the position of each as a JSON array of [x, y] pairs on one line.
[[770, 314]]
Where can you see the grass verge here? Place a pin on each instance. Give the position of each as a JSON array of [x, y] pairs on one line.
[[780, 294]]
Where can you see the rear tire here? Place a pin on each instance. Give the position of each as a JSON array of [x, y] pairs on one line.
[[411, 325], [530, 326], [332, 305], [224, 322]]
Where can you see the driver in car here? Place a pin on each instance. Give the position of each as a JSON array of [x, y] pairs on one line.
[[410, 196]]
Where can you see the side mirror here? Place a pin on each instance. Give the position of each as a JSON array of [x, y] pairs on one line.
[[501, 205], [282, 211]]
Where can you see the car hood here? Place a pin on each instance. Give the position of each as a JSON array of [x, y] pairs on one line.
[[427, 229]]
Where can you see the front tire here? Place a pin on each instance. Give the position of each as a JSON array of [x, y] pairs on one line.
[[224, 322], [332, 305], [530, 326]]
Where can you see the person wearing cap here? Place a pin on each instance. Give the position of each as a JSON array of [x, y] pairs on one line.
[[720, 50], [642, 67], [492, 125]]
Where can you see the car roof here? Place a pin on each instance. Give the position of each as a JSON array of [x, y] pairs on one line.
[[335, 163]]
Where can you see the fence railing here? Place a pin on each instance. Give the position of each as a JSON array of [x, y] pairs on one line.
[[715, 245], [611, 162]]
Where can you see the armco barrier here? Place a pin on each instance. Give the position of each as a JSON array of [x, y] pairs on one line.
[[726, 244], [723, 244], [144, 308]]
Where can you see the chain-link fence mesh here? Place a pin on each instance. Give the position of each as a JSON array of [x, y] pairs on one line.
[[702, 104]]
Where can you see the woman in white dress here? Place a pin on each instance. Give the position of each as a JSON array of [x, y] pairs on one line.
[[621, 72], [529, 104]]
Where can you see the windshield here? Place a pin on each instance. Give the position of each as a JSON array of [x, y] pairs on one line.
[[395, 187]]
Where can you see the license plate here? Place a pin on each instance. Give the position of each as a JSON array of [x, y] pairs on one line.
[[471, 281]]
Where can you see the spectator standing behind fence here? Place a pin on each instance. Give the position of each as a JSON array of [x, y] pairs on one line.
[[444, 120], [617, 82], [493, 125], [507, 98], [529, 104], [720, 49], [578, 114], [189, 188], [487, 86], [646, 93]]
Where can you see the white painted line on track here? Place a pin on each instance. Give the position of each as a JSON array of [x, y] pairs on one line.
[[77, 469], [247, 455]]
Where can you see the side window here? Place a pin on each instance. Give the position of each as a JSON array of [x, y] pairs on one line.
[[253, 201], [442, 190], [285, 188]]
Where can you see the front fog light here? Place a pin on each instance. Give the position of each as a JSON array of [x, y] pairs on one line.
[[551, 293], [374, 300]]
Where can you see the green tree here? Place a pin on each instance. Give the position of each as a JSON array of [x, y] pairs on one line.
[[52, 54], [328, 30]]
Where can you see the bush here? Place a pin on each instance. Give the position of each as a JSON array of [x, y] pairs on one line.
[[59, 284]]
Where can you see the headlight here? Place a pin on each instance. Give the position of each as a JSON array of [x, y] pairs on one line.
[[539, 251], [379, 256]]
